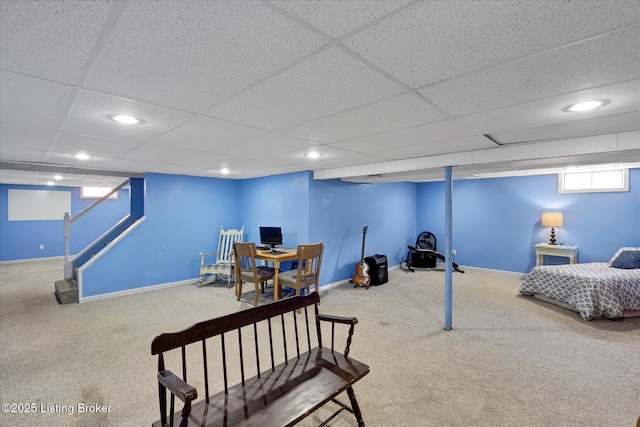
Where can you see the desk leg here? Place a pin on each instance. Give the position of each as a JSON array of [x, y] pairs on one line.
[[276, 286]]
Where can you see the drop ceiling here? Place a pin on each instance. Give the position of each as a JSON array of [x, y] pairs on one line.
[[382, 90]]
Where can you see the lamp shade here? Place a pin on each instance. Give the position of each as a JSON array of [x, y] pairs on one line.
[[552, 219]]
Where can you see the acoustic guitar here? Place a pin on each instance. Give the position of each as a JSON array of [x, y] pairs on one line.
[[361, 278]]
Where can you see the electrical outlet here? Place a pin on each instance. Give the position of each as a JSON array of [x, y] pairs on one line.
[[41, 246], [453, 252]]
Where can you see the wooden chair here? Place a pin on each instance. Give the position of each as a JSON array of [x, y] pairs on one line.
[[308, 271], [224, 255], [247, 270]]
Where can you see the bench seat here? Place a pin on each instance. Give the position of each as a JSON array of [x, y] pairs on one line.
[[281, 397]]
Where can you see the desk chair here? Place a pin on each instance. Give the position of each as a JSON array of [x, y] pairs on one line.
[[224, 258], [308, 271], [247, 270]]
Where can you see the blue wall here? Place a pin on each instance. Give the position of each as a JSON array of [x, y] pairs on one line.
[[496, 222], [338, 212], [276, 201], [183, 218], [22, 239]]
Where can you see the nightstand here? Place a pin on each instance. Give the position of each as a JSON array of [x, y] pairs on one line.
[[568, 251]]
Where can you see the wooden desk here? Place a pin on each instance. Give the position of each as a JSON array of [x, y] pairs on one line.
[[276, 259], [568, 251]]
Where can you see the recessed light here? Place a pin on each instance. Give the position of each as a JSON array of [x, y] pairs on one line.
[[224, 171], [313, 155], [50, 183], [57, 177], [124, 119], [82, 156], [585, 106]]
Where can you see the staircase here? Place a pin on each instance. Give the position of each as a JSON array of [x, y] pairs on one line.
[[66, 290]]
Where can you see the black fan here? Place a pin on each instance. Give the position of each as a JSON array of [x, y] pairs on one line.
[[426, 240]]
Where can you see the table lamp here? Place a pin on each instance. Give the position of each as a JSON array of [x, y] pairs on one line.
[[552, 219]]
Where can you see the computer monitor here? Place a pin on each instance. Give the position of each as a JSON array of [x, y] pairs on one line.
[[271, 236]]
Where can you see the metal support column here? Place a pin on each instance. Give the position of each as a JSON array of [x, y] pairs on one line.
[[448, 264]]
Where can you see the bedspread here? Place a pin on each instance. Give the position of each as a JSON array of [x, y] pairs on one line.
[[594, 289]]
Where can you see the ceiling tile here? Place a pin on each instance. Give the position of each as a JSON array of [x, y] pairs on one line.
[[206, 50], [562, 70], [621, 97], [432, 132], [327, 155], [90, 113], [31, 102], [26, 137], [268, 145], [127, 165], [206, 134], [436, 40], [475, 142], [8, 176], [176, 169], [335, 17], [72, 143], [600, 125], [213, 161], [325, 84], [21, 154], [274, 166], [68, 160], [36, 36], [159, 154], [404, 110]]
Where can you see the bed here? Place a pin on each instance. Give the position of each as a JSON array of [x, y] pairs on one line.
[[598, 289]]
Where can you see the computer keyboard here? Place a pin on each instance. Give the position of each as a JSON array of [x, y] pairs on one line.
[[262, 248]]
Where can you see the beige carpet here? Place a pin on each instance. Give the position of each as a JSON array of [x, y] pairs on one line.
[[510, 361]]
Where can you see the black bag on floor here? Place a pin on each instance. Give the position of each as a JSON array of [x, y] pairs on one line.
[[377, 269]]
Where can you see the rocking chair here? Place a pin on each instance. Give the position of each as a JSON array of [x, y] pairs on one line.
[[223, 264]]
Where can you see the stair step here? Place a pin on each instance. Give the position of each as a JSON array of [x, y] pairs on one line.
[[66, 291]]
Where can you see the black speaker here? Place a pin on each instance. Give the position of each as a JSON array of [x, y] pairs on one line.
[[377, 269]]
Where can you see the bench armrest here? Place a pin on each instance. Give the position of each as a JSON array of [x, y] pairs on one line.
[[351, 321], [184, 391], [338, 319]]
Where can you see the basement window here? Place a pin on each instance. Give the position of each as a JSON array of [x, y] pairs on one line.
[[609, 180], [96, 192]]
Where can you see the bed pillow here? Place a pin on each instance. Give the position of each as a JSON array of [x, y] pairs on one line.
[[626, 258]]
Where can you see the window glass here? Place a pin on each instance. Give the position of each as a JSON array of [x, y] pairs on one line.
[[96, 192], [595, 181]]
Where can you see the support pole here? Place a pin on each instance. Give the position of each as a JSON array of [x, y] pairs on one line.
[[448, 264]]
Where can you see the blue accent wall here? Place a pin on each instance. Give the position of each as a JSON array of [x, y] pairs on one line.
[[22, 239], [338, 212], [496, 222], [276, 201], [183, 218]]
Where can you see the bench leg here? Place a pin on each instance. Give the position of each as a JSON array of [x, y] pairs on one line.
[[185, 414], [355, 406]]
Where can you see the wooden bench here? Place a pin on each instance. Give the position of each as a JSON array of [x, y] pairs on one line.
[[294, 384]]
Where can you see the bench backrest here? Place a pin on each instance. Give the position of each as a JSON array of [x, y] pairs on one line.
[[302, 329]]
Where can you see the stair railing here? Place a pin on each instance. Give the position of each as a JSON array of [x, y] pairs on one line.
[[68, 263]]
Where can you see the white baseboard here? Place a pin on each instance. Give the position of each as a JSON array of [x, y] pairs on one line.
[[134, 291], [503, 272], [22, 261]]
